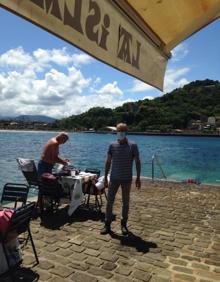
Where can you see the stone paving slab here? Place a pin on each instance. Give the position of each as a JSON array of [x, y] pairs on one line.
[[174, 236]]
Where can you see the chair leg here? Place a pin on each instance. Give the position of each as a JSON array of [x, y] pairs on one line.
[[40, 203], [39, 200], [97, 202], [105, 195], [57, 203], [88, 199], [100, 196], [51, 204], [33, 246]]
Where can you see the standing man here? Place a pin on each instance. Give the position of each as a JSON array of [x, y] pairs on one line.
[[120, 158], [50, 155]]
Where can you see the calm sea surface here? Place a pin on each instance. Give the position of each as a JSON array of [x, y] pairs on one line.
[[180, 157]]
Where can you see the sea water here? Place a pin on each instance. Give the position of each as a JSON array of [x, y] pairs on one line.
[[179, 157]]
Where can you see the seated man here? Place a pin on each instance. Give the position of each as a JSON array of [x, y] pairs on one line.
[[50, 155]]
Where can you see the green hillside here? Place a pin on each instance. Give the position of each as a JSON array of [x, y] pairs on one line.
[[171, 111]]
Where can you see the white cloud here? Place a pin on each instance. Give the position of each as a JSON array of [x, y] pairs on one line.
[[51, 82], [97, 81], [34, 83], [57, 56], [15, 58], [41, 59], [174, 78], [111, 89], [179, 52], [61, 57], [139, 86], [81, 59]]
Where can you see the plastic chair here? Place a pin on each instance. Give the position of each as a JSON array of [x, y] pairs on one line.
[[18, 224], [91, 189], [15, 192], [29, 171]]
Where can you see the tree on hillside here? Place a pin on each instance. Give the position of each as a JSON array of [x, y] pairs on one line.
[[170, 111]]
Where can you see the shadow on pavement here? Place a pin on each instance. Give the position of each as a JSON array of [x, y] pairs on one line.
[[135, 241], [84, 214], [20, 274], [54, 220], [60, 217]]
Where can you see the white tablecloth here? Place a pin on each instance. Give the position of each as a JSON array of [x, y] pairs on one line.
[[74, 185]]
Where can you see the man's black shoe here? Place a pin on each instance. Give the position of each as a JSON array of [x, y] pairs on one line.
[[105, 230], [124, 230]]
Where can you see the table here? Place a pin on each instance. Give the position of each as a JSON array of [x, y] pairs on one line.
[[74, 185]]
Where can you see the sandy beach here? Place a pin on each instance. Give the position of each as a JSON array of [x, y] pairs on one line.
[[174, 236]]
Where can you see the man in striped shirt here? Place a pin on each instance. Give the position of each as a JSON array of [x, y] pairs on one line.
[[120, 159]]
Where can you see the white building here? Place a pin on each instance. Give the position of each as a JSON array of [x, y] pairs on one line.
[[211, 121]]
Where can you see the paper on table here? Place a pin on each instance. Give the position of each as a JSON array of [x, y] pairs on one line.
[[58, 168]]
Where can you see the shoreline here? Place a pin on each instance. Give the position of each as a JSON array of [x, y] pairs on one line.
[[173, 181], [26, 130], [109, 132], [154, 134]]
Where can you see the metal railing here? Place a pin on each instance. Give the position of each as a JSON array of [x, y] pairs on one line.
[[156, 161]]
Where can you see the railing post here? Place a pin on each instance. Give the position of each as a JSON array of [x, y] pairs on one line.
[[152, 168], [155, 161]]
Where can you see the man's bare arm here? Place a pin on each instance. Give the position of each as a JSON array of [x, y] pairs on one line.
[[62, 161]]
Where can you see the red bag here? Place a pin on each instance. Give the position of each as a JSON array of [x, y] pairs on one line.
[[49, 181], [5, 216]]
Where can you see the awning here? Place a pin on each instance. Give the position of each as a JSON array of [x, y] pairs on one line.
[[134, 36]]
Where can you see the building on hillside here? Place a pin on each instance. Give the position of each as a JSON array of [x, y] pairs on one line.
[[195, 125], [211, 121], [217, 120], [13, 123], [218, 130]]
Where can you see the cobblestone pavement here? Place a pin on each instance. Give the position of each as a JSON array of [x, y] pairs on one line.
[[175, 236]]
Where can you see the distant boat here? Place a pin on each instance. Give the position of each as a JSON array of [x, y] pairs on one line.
[[112, 128]]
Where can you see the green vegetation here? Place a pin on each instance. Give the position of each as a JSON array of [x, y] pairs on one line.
[[174, 110]]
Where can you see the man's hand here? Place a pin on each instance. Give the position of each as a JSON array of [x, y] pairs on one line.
[[66, 162], [138, 183]]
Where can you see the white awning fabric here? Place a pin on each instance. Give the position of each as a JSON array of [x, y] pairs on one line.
[[134, 36]]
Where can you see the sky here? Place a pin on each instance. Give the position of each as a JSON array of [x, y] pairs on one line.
[[44, 75]]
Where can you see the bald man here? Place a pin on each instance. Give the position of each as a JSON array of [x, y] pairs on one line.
[[50, 155]]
